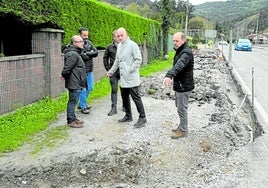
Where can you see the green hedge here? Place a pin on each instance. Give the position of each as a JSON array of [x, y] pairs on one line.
[[69, 15], [32, 11]]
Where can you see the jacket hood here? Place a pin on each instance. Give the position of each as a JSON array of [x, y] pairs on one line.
[[71, 48]]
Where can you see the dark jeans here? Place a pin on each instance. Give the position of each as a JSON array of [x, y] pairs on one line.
[[114, 86], [135, 95], [72, 102]]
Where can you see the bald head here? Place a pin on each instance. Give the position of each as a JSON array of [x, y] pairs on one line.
[[77, 41], [178, 40], [180, 35], [122, 34], [115, 37]]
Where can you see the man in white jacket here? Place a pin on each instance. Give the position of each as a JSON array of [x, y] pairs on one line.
[[128, 60]]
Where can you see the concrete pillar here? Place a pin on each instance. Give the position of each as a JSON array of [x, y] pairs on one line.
[[49, 42]]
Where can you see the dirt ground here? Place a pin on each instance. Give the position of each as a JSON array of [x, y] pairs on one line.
[[105, 153]]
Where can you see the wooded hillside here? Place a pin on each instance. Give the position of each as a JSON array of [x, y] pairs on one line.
[[236, 13]]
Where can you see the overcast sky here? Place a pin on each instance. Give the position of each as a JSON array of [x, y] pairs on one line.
[[197, 2]]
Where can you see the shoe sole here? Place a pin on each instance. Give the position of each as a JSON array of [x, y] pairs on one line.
[[85, 112], [75, 126], [88, 108], [125, 121], [173, 137], [139, 126], [112, 114]]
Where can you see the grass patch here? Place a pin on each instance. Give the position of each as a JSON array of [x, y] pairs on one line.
[[101, 89], [18, 127], [23, 124], [49, 139], [156, 66]]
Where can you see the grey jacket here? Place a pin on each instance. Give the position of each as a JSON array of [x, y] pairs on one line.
[[128, 59]]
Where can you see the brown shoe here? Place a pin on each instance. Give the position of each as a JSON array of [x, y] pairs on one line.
[[178, 134], [74, 124], [79, 121], [174, 130]]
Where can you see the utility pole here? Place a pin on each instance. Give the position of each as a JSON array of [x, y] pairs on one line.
[[230, 45], [257, 27], [243, 34], [186, 19]]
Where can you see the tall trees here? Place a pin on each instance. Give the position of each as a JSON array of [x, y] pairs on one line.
[[166, 15]]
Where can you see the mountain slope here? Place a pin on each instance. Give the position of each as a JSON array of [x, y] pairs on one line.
[[230, 12]]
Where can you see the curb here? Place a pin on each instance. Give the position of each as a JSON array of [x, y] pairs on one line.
[[260, 113]]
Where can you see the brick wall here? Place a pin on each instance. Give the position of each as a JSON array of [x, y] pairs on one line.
[[21, 81]]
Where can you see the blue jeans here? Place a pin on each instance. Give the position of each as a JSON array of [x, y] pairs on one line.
[[86, 91], [72, 102], [181, 101]]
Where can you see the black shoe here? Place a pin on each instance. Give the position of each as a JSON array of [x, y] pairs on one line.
[[140, 123], [85, 111], [87, 107], [125, 119], [113, 111]]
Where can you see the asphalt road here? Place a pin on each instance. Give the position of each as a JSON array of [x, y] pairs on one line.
[[253, 69]]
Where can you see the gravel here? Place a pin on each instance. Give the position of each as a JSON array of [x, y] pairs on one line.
[[105, 153]]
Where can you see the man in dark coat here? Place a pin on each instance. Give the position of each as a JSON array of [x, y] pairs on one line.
[[108, 61], [89, 52], [183, 81], [74, 74]]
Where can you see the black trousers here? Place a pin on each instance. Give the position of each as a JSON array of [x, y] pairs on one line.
[[135, 95], [114, 79]]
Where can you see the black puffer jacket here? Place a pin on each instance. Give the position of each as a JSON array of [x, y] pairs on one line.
[[88, 53], [182, 71], [74, 71], [109, 57]]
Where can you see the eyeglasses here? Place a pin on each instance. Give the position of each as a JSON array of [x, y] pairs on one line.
[[78, 41]]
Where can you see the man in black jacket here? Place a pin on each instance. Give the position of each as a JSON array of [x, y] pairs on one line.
[[74, 74], [183, 81], [88, 53], [108, 61]]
